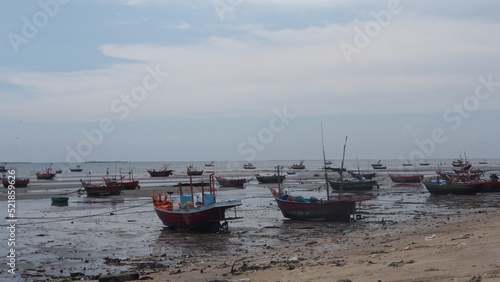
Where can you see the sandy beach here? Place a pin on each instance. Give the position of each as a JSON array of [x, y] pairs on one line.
[[406, 235], [448, 248]]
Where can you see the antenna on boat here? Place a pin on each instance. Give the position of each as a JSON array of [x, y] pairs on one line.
[[341, 190], [324, 165]]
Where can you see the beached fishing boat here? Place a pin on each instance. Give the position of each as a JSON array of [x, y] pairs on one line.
[[101, 190], [163, 172], [491, 185], [360, 174], [483, 162], [353, 184], [76, 169], [378, 165], [406, 178], [3, 168], [458, 188], [336, 169], [192, 171], [299, 165], [47, 174], [17, 182], [205, 215], [231, 182], [130, 184], [407, 164], [248, 166], [59, 199], [270, 178], [313, 209]]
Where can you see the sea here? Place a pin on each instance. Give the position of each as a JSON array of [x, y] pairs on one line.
[[81, 237]]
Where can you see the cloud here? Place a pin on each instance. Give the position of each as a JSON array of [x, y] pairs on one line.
[[182, 26]]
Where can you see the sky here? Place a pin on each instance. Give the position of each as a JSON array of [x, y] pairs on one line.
[[248, 80]]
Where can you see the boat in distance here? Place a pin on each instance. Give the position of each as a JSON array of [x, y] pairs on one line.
[[406, 178], [163, 172]]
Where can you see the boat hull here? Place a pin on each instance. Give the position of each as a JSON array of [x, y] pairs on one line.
[[227, 182], [97, 190], [45, 175], [354, 185], [17, 183], [159, 173], [456, 189], [270, 179], [490, 186], [202, 218], [406, 178]]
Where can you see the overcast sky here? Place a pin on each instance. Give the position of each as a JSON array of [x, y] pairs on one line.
[[244, 80]]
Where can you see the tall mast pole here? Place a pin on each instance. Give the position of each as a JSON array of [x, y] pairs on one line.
[[341, 190], [324, 165]]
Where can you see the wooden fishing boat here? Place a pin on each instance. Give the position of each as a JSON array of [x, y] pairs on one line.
[[483, 162], [353, 184], [76, 169], [336, 169], [231, 182], [270, 178], [210, 164], [131, 184], [360, 174], [407, 164], [299, 165], [163, 172], [59, 199], [206, 215], [424, 163], [102, 190], [378, 165], [3, 168], [248, 166], [312, 209], [17, 182], [192, 171], [491, 185], [406, 178], [47, 174], [457, 188]]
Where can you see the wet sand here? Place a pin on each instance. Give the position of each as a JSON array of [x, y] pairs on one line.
[[109, 235]]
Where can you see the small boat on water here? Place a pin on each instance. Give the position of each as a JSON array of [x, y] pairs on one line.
[[337, 169], [17, 182], [424, 163], [483, 162], [192, 171], [190, 214], [406, 178], [101, 189], [249, 166], [163, 172], [407, 164], [210, 164], [231, 182], [270, 178], [299, 165], [76, 169], [378, 165], [3, 168]]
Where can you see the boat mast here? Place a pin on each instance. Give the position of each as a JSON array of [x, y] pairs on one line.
[[341, 190], [324, 165]]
